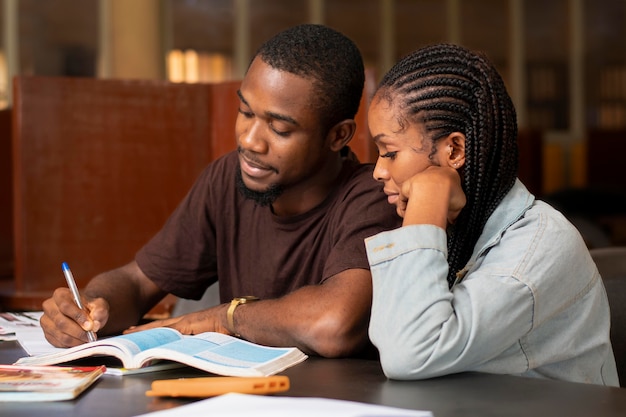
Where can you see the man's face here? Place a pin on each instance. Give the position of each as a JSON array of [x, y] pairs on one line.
[[280, 144]]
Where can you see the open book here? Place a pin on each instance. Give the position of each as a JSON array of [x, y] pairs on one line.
[[45, 383], [212, 352]]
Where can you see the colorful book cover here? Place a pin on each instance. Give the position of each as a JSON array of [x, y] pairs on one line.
[[45, 383]]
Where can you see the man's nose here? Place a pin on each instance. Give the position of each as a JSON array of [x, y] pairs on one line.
[[252, 137]]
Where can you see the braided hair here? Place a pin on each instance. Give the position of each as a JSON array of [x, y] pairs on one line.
[[326, 56], [447, 88]]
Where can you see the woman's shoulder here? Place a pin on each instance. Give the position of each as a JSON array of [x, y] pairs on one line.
[[544, 246]]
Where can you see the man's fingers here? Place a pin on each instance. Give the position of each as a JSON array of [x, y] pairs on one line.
[[62, 333], [151, 325]]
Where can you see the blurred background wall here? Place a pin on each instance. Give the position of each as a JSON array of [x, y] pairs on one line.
[[564, 61]]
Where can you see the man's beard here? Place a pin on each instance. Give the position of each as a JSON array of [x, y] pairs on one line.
[[262, 198]]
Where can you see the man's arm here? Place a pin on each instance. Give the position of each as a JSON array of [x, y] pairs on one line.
[[330, 319], [115, 299]]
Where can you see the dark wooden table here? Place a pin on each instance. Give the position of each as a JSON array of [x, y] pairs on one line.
[[468, 394]]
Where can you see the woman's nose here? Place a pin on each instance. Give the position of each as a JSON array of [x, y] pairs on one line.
[[380, 172]]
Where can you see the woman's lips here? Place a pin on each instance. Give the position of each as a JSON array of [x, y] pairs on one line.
[[392, 197]]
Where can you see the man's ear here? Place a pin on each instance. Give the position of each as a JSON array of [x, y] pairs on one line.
[[340, 134], [455, 146]]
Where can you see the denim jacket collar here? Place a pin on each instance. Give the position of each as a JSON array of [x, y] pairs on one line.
[[513, 206]]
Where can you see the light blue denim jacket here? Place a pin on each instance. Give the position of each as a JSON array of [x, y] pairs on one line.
[[531, 303]]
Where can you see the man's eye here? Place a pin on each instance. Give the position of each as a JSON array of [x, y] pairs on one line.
[[245, 114], [279, 132], [390, 155]]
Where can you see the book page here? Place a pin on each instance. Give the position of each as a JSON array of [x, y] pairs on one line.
[[123, 347], [146, 339], [226, 355]]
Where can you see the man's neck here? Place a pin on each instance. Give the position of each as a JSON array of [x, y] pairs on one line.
[[303, 197]]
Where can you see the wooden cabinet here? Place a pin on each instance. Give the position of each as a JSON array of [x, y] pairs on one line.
[[98, 165], [6, 201]]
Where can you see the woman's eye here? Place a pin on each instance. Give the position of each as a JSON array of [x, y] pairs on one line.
[[390, 155]]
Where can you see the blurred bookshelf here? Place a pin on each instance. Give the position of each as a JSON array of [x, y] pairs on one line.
[[611, 105], [547, 96]]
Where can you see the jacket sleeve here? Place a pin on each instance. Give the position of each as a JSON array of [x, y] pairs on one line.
[[423, 329]]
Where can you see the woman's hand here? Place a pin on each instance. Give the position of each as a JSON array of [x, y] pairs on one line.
[[433, 196]]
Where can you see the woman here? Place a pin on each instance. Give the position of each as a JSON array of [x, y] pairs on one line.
[[481, 276]]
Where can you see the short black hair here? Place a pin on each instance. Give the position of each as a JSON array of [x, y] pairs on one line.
[[328, 57], [448, 88]]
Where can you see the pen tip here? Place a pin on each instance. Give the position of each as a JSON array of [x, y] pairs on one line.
[[65, 266]]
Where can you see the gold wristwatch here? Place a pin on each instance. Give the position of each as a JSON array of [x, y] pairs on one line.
[[230, 314]]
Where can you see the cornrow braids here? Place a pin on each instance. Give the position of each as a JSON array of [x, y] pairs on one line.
[[447, 89], [326, 56]]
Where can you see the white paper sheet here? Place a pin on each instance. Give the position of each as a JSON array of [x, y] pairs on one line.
[[34, 341], [236, 405], [10, 322], [30, 334], [25, 328]]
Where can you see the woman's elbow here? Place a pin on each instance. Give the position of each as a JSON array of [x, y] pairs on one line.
[[397, 365], [412, 364]]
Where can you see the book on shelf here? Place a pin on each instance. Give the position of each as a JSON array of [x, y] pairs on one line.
[[45, 383], [211, 352]]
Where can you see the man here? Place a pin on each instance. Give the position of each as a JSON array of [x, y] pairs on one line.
[[283, 219]]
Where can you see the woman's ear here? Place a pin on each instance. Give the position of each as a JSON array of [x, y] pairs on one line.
[[341, 134], [455, 147]]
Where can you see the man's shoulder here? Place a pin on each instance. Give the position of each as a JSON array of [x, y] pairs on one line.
[[227, 161], [360, 200], [358, 187], [216, 181], [221, 168], [357, 175]]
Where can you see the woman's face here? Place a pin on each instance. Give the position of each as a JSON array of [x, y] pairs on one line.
[[403, 149]]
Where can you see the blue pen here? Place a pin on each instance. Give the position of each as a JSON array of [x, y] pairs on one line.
[[72, 284]]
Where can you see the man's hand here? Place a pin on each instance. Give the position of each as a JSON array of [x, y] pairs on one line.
[[209, 320], [113, 301], [65, 325]]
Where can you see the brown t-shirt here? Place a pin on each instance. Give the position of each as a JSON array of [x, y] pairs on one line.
[[216, 233]]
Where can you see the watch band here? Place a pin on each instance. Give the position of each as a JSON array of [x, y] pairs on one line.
[[236, 302]]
